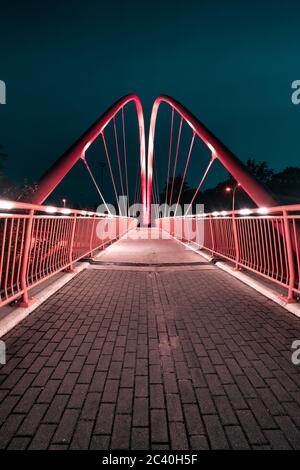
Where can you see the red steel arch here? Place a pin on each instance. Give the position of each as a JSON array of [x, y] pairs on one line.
[[63, 165], [236, 168]]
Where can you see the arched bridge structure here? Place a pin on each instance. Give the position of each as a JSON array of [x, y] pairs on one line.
[[150, 321]]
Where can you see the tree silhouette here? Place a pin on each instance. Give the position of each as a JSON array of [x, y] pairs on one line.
[[261, 171], [177, 182]]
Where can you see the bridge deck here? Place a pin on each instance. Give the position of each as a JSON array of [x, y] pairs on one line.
[[181, 358]]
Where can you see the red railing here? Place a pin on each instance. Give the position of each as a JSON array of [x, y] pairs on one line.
[[37, 242], [265, 240]]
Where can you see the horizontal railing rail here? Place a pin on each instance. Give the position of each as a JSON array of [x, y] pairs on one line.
[[37, 242], [265, 240]]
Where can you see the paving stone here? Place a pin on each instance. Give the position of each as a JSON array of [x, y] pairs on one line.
[[179, 440], [159, 428], [174, 407], [91, 406], [141, 412], [237, 438], [140, 439], [215, 432], [121, 432], [42, 437], [66, 427], [105, 419], [193, 419], [9, 429], [82, 435]]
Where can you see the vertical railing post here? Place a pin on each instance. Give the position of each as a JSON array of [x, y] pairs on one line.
[[290, 256], [70, 268], [26, 301], [91, 237], [236, 242], [212, 236]]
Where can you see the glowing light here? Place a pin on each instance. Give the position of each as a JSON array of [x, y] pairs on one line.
[[86, 147], [50, 209], [263, 210], [6, 204], [66, 211], [228, 189], [211, 148], [245, 211], [83, 212], [215, 213], [90, 213], [223, 213]]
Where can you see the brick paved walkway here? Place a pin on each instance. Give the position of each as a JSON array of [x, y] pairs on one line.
[[186, 359]]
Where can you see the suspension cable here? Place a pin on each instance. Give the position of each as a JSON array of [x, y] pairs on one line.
[[125, 155], [200, 184], [95, 183], [118, 155], [185, 169], [176, 158], [110, 170], [156, 186], [169, 159], [136, 186]]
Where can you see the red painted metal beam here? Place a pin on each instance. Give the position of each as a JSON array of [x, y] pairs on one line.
[[257, 192], [63, 165]]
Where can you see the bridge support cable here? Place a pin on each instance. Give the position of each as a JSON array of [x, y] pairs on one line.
[[118, 155], [155, 198], [95, 183], [185, 170], [213, 157], [169, 158], [176, 158], [110, 170], [125, 156], [137, 187], [55, 174], [255, 190], [155, 185]]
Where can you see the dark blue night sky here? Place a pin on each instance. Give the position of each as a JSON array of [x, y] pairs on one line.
[[230, 62]]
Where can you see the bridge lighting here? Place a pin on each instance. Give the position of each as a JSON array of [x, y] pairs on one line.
[[215, 214], [211, 148], [6, 204], [66, 211], [64, 201], [223, 213], [228, 189], [50, 209], [263, 210], [83, 212], [90, 213], [245, 212], [86, 147]]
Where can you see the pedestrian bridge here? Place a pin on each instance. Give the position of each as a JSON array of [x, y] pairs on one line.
[[156, 341]]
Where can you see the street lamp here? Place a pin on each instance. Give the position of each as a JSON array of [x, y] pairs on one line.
[[64, 201], [228, 189]]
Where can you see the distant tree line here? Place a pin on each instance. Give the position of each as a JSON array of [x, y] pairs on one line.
[[283, 185], [11, 190]]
